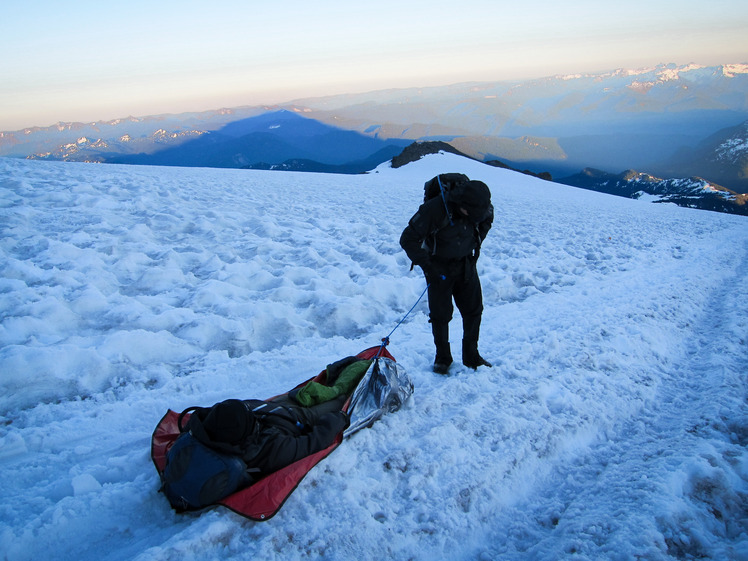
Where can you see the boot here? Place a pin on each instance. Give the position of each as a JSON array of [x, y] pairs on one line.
[[441, 367], [471, 357], [443, 350]]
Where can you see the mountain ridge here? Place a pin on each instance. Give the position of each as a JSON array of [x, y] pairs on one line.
[[691, 192]]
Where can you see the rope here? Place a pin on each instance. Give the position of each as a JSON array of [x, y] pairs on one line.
[[386, 340]]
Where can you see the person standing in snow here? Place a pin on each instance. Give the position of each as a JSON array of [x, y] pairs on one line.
[[444, 239]]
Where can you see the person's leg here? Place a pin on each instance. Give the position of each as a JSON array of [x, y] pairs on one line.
[[443, 357], [469, 300], [440, 314]]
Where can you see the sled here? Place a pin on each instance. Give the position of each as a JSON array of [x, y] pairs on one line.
[[383, 388]]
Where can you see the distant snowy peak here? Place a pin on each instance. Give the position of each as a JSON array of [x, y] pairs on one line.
[[732, 70], [695, 73], [98, 150], [672, 72], [666, 73]]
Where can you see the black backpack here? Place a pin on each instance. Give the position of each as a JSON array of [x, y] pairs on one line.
[[196, 475], [199, 471], [444, 184], [449, 187]]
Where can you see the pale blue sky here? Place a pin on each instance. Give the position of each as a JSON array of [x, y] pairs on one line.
[[86, 60]]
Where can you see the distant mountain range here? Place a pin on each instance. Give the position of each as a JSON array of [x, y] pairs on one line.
[[611, 121], [722, 157], [692, 192], [263, 139], [671, 121]]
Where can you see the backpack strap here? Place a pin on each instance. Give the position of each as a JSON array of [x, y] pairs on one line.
[[444, 199], [431, 240], [267, 409], [182, 415]]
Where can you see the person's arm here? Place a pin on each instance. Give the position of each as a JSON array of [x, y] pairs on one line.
[[412, 242], [486, 223], [420, 227]]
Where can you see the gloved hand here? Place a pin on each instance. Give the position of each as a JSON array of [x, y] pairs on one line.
[[432, 272], [338, 421]]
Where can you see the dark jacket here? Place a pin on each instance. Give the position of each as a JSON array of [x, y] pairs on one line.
[[283, 435], [431, 239], [267, 435]]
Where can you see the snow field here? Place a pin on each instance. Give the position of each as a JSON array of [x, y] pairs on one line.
[[612, 426]]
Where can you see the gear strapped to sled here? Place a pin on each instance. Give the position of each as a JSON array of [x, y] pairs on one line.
[[383, 388]]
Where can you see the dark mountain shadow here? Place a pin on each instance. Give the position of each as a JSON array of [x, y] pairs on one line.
[[270, 138]]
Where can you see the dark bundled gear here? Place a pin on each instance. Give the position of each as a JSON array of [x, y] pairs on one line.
[[201, 470], [249, 455], [227, 446]]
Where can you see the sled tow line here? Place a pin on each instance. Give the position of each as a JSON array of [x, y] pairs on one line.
[[386, 340]]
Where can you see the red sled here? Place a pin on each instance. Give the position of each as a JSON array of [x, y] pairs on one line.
[[264, 498]]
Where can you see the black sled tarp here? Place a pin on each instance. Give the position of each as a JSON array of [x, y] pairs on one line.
[[384, 388]]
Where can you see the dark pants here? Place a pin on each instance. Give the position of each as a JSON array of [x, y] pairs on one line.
[[463, 285]]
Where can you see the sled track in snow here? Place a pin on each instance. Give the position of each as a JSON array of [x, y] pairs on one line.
[[682, 454]]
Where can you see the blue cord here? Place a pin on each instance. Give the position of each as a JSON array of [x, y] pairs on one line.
[[444, 199], [386, 340]]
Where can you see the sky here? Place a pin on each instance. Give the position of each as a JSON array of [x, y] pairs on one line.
[[99, 60]]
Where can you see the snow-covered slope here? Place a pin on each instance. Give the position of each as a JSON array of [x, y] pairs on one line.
[[612, 426]]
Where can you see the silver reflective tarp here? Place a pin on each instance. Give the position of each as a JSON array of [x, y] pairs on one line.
[[383, 389]]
